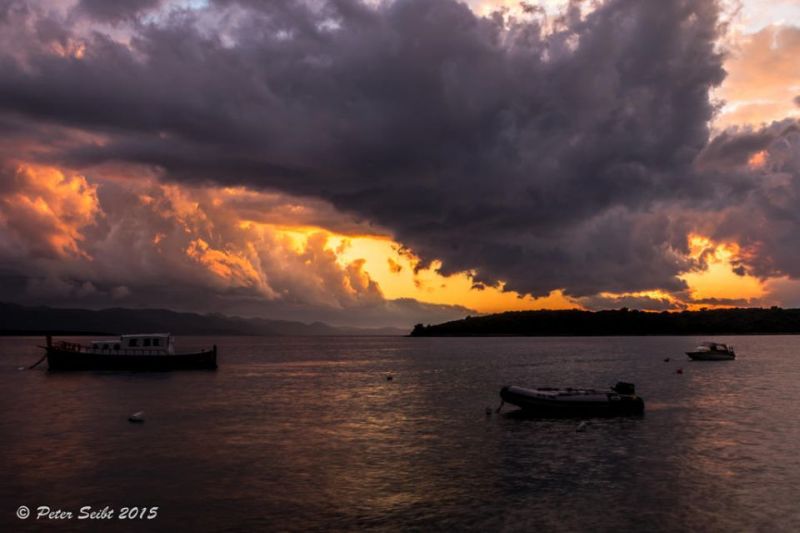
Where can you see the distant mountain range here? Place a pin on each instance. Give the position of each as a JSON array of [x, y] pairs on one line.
[[748, 321], [21, 320]]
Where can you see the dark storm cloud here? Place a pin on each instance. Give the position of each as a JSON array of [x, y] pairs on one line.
[[546, 160], [733, 148], [114, 10], [765, 223]]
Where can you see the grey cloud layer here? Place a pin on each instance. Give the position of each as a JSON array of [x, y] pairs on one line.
[[565, 160]]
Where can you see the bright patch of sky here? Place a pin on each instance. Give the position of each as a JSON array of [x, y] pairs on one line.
[[757, 14], [753, 15]]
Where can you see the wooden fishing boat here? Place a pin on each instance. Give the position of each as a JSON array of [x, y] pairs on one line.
[[140, 352], [620, 400]]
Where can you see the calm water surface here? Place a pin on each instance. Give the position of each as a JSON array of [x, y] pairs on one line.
[[307, 434]]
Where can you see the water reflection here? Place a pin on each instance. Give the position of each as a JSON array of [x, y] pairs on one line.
[[309, 434]]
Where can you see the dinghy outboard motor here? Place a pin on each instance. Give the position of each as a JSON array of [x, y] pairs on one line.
[[624, 388]]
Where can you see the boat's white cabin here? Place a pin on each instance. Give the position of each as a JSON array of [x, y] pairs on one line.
[[149, 343], [714, 347]]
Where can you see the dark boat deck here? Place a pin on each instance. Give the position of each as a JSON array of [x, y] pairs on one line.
[[533, 403], [66, 359]]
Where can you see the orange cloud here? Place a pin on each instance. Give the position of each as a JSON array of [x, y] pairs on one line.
[[232, 267], [68, 48], [46, 210], [758, 159]]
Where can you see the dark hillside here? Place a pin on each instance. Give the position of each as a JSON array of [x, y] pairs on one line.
[[745, 321]]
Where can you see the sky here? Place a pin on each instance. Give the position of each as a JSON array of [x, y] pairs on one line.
[[389, 162]]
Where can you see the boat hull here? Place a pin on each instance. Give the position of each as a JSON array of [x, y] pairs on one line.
[[710, 356], [599, 405], [66, 360]]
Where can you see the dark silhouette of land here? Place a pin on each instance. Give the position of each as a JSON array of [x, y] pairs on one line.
[[21, 320], [742, 321]]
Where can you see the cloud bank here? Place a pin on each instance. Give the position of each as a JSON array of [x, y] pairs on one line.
[[574, 159]]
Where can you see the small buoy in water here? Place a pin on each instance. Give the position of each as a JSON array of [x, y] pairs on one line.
[[138, 416], [666, 360], [679, 371], [389, 377], [582, 426]]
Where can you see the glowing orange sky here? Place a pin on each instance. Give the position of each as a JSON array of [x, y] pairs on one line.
[[719, 280], [394, 272]]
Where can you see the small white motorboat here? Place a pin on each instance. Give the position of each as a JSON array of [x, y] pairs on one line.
[[712, 351]]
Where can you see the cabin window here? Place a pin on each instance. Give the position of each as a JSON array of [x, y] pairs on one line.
[[146, 342], [105, 346], [116, 346], [156, 342], [133, 342]]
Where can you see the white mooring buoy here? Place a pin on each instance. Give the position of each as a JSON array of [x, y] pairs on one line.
[[138, 416]]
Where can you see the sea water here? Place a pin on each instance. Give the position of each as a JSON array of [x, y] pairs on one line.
[[311, 434]]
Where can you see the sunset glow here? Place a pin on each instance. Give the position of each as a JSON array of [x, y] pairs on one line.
[[718, 281], [557, 156], [46, 209]]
